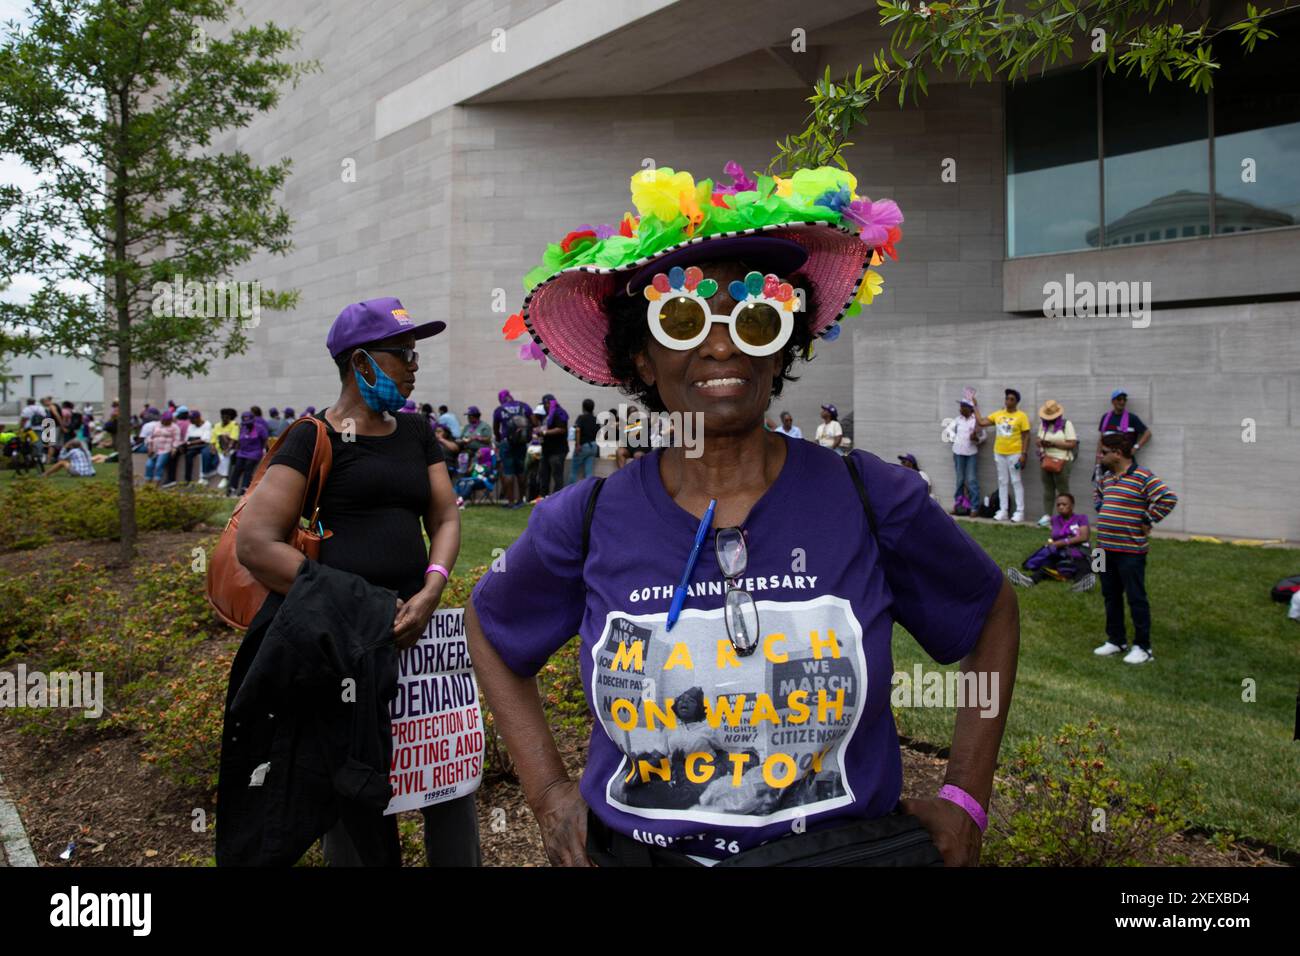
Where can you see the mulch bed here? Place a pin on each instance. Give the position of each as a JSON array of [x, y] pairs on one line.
[[93, 790]]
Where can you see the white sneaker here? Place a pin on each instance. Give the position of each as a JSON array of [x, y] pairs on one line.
[[1000, 516], [1044, 521], [221, 485], [1107, 649], [1018, 516], [1137, 656]]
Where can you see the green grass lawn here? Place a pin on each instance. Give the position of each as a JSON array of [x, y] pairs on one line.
[[1213, 626]]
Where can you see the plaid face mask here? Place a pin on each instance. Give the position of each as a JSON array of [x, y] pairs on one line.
[[383, 396]]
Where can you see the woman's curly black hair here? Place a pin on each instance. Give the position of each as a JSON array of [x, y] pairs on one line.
[[629, 333]]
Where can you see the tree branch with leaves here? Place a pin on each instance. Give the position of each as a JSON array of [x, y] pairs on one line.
[[983, 39]]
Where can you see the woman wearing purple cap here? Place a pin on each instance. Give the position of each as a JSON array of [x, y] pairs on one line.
[[735, 598], [387, 486]]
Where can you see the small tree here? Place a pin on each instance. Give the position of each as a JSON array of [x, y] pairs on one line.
[[114, 104], [980, 39]]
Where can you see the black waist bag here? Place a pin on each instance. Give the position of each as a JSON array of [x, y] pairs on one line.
[[895, 840]]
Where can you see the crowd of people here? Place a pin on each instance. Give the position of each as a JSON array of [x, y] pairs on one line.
[[54, 437]]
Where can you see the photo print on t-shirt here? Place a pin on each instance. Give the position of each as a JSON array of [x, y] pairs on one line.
[[713, 737]]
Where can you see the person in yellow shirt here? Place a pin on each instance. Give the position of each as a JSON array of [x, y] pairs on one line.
[[224, 437], [1010, 452]]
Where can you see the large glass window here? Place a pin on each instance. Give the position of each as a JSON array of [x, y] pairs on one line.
[[1257, 134], [1154, 159], [1052, 183], [1157, 165]]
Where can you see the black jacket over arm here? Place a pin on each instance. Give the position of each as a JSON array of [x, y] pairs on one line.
[[307, 720]]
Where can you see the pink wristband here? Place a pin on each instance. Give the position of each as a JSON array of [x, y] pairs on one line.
[[446, 575], [968, 803]]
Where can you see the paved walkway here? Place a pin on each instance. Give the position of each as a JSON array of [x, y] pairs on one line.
[[15, 850]]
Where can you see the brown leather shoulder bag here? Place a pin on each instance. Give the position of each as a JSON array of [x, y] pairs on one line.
[[233, 592]]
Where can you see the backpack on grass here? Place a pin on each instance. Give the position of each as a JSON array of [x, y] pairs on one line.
[[1285, 589]]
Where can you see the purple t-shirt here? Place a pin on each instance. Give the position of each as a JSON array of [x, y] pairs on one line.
[[252, 439], [501, 418], [693, 746], [1065, 528]]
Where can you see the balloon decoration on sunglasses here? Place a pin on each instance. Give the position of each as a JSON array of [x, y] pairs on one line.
[[690, 280]]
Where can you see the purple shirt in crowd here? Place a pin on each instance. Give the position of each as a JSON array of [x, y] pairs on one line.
[[695, 747], [501, 418], [252, 439]]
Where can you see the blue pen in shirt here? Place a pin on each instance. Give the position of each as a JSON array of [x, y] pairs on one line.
[[679, 596]]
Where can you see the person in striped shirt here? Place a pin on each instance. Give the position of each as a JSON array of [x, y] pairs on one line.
[[1129, 500]]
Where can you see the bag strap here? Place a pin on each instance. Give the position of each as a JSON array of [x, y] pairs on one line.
[[322, 459], [587, 516], [862, 494]]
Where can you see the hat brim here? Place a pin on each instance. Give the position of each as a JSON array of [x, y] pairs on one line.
[[1050, 418], [566, 313], [428, 329]]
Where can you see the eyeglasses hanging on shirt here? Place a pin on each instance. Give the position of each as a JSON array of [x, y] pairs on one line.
[[740, 612]]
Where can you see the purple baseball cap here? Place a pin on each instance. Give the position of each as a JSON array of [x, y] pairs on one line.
[[473, 410], [372, 320]]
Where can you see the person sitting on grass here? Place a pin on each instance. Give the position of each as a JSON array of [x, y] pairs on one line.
[[480, 479], [75, 460], [1063, 557]]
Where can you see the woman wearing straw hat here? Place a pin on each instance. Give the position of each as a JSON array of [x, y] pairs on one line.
[[762, 575], [1056, 442]]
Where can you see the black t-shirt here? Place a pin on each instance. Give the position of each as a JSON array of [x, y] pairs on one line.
[[587, 427], [556, 444], [374, 500]]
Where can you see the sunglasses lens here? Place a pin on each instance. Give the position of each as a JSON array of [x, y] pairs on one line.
[[742, 621], [758, 324], [681, 318], [730, 546]]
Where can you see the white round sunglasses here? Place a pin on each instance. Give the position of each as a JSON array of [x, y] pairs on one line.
[[680, 318]]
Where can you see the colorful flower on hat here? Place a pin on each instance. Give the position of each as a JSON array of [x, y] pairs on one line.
[[740, 183], [627, 228], [887, 247], [658, 192], [601, 232], [872, 284], [874, 219], [514, 327], [836, 199], [812, 183], [532, 351], [583, 234], [691, 203]]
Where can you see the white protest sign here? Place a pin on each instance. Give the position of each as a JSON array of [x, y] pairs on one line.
[[437, 725]]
